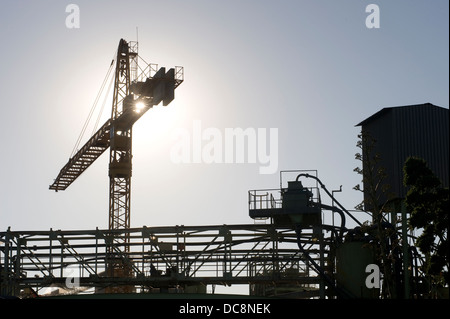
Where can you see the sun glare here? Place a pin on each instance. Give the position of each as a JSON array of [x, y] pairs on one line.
[[139, 107]]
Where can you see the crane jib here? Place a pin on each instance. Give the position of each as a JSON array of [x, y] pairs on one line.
[[76, 165], [159, 88]]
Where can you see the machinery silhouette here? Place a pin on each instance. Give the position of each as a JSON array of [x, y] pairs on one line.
[[134, 94], [289, 251]]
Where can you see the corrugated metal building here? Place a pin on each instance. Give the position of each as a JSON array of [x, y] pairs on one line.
[[414, 130]]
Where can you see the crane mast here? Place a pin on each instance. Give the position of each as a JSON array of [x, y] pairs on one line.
[[120, 145], [131, 99]]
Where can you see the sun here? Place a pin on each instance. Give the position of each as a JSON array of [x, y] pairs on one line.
[[139, 106]]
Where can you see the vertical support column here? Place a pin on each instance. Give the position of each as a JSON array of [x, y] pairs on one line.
[[227, 239], [50, 256], [120, 151], [120, 172], [275, 263], [321, 261], [177, 249], [17, 266], [5, 283], [405, 247], [10, 268], [96, 250]]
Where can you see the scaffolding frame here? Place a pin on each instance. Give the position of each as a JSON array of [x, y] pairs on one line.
[[162, 259]]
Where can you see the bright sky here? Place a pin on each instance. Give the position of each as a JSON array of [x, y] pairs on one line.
[[311, 69]]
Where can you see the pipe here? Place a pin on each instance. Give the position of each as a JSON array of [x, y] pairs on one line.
[[318, 269], [329, 194], [340, 212]]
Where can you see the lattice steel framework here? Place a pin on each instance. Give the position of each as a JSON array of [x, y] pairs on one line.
[[120, 148], [178, 258], [132, 86]]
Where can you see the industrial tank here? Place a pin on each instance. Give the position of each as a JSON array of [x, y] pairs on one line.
[[352, 258]]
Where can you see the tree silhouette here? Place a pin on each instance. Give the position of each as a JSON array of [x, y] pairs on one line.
[[376, 201], [428, 203]]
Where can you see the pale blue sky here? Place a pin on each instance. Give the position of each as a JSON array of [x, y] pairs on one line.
[[309, 68]]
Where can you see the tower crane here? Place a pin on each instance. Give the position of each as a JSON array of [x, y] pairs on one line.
[[133, 96]]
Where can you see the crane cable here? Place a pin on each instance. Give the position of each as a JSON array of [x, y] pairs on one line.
[[83, 130], [103, 105]]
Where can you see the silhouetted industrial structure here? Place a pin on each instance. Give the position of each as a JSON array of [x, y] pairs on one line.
[[388, 138], [135, 92], [288, 251], [419, 130]]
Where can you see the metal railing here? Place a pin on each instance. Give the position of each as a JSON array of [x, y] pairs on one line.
[[273, 198], [176, 256], [264, 199]]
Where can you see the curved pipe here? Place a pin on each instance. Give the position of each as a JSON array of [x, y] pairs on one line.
[[340, 212], [329, 194], [318, 269]]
